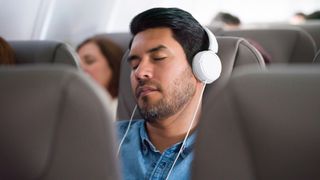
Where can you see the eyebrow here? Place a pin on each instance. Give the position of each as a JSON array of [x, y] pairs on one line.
[[132, 57], [156, 48]]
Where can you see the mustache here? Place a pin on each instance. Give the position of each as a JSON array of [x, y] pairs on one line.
[[147, 85]]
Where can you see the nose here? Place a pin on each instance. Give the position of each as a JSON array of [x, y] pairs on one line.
[[144, 70]]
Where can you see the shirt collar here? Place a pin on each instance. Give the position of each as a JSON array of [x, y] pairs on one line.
[[145, 141], [189, 145], [147, 144]]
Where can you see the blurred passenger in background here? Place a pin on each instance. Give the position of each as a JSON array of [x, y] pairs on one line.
[[226, 21], [298, 18], [7, 56], [101, 58]]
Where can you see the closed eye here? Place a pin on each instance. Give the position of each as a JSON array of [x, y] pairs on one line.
[[134, 64], [133, 61], [159, 58], [89, 60]]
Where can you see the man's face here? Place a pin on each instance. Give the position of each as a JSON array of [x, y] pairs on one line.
[[161, 78]]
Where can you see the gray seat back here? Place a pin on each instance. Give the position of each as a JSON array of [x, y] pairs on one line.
[[121, 39], [285, 45], [313, 28], [54, 124], [264, 125], [232, 52], [44, 52], [317, 57]]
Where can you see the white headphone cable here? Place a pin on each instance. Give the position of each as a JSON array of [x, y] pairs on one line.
[[190, 126], [125, 134]]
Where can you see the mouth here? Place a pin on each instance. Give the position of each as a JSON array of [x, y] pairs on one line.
[[144, 91]]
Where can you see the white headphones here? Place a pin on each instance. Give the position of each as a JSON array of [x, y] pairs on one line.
[[206, 65]]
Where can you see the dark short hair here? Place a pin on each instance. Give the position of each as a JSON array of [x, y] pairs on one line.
[[226, 18], [313, 16], [113, 54], [300, 14], [186, 30], [6, 53]]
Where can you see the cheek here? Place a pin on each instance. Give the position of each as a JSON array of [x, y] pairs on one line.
[[90, 69], [87, 69], [167, 77], [99, 72], [178, 77], [103, 73], [133, 82], [99, 67], [106, 70]]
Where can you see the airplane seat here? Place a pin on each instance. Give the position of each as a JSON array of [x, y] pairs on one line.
[[44, 52], [264, 125], [317, 57], [122, 39], [313, 28], [54, 124], [233, 52], [285, 45], [216, 30]]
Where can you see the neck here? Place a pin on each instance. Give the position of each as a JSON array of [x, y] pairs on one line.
[[167, 132]]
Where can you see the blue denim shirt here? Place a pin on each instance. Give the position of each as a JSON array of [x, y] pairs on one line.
[[141, 160]]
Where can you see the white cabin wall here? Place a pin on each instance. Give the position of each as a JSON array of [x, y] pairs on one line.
[[249, 11], [252, 11], [74, 20], [65, 20], [123, 12], [17, 18]]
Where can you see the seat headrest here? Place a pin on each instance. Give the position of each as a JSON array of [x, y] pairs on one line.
[[233, 52], [264, 125], [313, 28], [54, 123], [285, 45], [121, 39], [44, 52]]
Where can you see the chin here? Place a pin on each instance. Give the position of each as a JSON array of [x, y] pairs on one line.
[[148, 101]]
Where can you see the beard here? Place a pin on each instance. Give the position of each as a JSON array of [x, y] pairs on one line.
[[179, 93]]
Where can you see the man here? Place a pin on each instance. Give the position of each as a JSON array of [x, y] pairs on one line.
[[164, 43]]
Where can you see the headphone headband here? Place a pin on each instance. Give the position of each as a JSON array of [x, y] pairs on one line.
[[213, 43]]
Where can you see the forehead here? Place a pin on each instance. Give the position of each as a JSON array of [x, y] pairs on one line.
[[89, 47], [153, 37]]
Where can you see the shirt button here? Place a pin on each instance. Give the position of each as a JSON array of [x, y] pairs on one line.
[[144, 149], [162, 165], [153, 165]]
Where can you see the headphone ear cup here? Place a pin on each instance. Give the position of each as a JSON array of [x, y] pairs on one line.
[[206, 66]]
